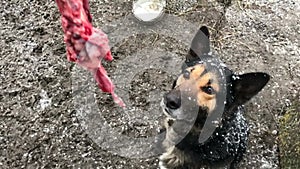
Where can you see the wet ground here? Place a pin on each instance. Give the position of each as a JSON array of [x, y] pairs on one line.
[[43, 119]]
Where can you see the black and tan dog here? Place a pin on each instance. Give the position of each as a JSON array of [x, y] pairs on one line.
[[206, 89]]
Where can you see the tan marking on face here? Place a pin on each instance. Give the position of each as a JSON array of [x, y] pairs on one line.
[[195, 73], [195, 84]]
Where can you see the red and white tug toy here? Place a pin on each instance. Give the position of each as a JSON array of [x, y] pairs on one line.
[[85, 44]]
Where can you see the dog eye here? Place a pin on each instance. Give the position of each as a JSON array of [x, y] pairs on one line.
[[186, 74], [208, 89]]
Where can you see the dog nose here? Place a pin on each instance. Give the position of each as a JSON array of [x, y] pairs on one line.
[[173, 99]]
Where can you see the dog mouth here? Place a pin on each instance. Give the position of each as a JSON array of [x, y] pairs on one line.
[[166, 110]]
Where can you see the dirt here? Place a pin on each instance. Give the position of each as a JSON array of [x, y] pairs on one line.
[[45, 117]]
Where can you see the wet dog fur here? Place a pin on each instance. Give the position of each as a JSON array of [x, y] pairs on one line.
[[207, 85]]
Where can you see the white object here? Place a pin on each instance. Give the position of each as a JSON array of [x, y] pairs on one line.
[[148, 10]]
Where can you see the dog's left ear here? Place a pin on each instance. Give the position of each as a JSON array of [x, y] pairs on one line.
[[248, 85], [200, 45]]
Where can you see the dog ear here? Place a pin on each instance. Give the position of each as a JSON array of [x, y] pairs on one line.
[[248, 85], [200, 45]]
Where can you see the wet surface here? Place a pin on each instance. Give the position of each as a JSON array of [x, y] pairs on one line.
[[42, 121]]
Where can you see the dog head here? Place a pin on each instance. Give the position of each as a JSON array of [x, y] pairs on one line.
[[206, 82]]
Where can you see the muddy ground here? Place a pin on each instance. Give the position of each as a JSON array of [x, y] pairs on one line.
[[39, 120]]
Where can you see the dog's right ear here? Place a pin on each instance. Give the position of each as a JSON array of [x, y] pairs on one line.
[[200, 45], [247, 85]]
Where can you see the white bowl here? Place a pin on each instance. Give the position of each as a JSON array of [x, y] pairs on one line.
[[148, 10]]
